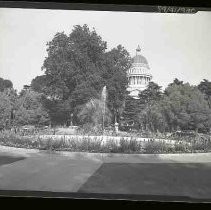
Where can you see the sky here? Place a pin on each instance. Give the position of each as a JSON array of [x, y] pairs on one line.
[[175, 45]]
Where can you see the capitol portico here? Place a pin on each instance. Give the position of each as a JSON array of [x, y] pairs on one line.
[[138, 75]]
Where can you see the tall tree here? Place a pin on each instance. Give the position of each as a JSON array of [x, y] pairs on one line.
[[136, 110], [76, 69], [130, 113], [151, 94], [118, 61], [147, 100], [8, 103], [205, 88], [5, 110]]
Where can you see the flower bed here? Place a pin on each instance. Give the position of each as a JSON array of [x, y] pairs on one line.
[[97, 145]]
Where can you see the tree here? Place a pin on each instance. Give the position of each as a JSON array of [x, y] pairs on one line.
[[185, 108], [73, 63], [4, 84], [182, 106], [8, 100], [72, 69], [176, 82], [151, 94], [5, 110], [29, 109], [130, 113], [205, 88], [118, 62], [136, 110], [152, 118], [147, 106], [77, 68]]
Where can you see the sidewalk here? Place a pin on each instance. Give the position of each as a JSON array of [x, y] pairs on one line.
[[186, 175]]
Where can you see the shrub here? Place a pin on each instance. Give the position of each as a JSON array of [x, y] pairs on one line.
[[110, 147], [202, 145], [182, 147], [129, 146], [153, 147], [90, 145], [10, 138], [86, 144]]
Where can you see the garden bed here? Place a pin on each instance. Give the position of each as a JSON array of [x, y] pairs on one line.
[[100, 145]]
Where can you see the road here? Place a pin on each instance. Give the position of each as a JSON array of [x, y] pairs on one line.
[[153, 177]]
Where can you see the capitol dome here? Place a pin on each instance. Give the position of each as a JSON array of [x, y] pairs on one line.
[[138, 58], [139, 74]]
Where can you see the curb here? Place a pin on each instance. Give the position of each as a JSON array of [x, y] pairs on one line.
[[112, 157]]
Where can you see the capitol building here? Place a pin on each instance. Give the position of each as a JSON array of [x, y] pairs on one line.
[[138, 75]]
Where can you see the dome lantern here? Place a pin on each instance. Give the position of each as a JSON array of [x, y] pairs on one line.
[[138, 50]]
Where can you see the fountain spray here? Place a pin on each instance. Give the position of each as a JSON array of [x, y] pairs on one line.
[[103, 98]]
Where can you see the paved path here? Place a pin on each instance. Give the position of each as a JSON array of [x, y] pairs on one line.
[[163, 179], [44, 171], [166, 175]]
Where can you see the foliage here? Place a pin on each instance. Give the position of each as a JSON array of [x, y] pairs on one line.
[[8, 103], [149, 115], [76, 69], [129, 117], [5, 84], [30, 110], [131, 146], [154, 147], [118, 61], [5, 110], [92, 114], [86, 144], [186, 108], [151, 94], [110, 147], [182, 106], [10, 138], [205, 88]]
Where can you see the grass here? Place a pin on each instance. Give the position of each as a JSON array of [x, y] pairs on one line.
[[86, 144]]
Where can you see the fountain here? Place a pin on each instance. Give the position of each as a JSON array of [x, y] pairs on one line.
[[103, 99]]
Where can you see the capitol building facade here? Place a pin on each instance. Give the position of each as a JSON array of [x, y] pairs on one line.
[[138, 75]]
